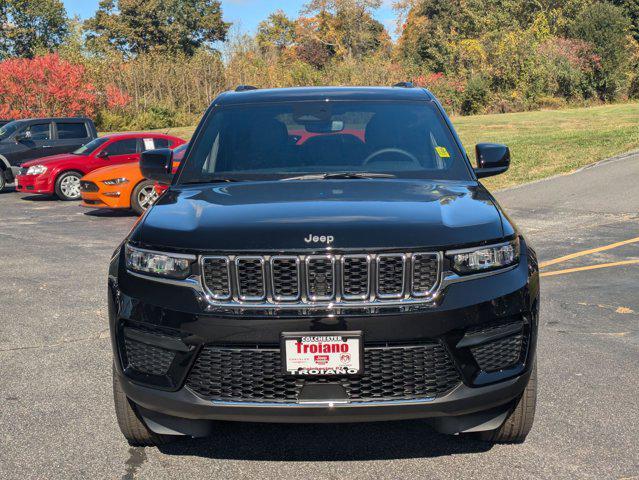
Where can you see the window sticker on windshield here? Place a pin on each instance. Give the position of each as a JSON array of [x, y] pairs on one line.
[[148, 144], [442, 152]]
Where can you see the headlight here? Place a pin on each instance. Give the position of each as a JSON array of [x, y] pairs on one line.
[[36, 170], [170, 265], [116, 181], [485, 258]]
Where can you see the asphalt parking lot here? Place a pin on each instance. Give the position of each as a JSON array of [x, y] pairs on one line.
[[57, 418]]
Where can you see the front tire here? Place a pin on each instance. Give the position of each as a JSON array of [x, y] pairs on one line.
[[67, 186], [3, 181], [131, 424], [520, 420], [143, 196]]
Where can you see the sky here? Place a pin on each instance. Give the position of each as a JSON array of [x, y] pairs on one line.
[[244, 14]]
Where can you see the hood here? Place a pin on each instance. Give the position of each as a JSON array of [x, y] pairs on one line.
[[53, 160], [127, 170], [357, 214]]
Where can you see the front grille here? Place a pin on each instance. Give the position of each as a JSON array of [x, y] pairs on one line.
[[424, 273], [320, 278], [390, 373], [147, 359], [250, 274], [356, 276], [87, 186], [285, 278], [390, 275], [216, 275], [502, 353]]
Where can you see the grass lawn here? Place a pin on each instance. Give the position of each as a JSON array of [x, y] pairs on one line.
[[551, 142], [546, 142]]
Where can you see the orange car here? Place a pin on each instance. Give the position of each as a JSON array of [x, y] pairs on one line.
[[119, 186]]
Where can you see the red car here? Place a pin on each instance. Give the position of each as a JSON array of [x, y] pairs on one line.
[[61, 174]]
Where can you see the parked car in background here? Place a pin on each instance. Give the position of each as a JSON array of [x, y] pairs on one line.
[[4, 121], [122, 186], [29, 139], [61, 174]]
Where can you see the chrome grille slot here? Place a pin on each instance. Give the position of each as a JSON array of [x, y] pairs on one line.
[[356, 270], [217, 278], [285, 278], [320, 277], [350, 280], [390, 275], [425, 273], [250, 278]]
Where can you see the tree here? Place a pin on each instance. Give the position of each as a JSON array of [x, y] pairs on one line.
[[31, 26], [348, 27], [606, 27], [276, 32], [45, 86], [311, 45], [631, 7], [141, 26]]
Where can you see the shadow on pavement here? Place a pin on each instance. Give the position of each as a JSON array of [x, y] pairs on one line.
[[110, 213], [41, 198], [325, 442]]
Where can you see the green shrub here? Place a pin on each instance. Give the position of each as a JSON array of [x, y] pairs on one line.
[[109, 121], [606, 27], [633, 89], [475, 96]]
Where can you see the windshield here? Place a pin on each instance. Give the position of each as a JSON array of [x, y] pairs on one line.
[[90, 147], [294, 139], [9, 129]]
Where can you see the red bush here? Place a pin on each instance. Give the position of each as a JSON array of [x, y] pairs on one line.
[[45, 86], [116, 98]]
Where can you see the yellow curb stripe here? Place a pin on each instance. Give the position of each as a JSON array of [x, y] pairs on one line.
[[589, 267], [588, 252]]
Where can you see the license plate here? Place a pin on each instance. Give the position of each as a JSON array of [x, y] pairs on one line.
[[325, 354]]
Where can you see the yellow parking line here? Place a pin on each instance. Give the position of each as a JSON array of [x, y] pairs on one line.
[[588, 267], [588, 252]]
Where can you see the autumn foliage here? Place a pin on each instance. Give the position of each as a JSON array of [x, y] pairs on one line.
[[50, 86]]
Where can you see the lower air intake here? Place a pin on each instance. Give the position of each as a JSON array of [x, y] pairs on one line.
[[502, 353], [390, 373], [147, 359]]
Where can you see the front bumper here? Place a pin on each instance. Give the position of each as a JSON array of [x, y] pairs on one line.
[[109, 197], [480, 398], [41, 184], [464, 409]]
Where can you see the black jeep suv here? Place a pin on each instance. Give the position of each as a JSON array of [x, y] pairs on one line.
[[324, 255]]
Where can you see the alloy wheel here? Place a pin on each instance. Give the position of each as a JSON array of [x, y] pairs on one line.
[[70, 186], [147, 197]]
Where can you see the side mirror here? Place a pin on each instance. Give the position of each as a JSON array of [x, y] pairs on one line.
[[157, 165], [103, 154], [492, 159]]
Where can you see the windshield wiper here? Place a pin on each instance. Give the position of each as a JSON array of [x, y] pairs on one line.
[[341, 175]]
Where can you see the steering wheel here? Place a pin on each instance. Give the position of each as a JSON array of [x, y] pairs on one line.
[[384, 151]]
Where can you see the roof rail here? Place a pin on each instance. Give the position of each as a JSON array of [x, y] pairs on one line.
[[245, 88], [404, 85]]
